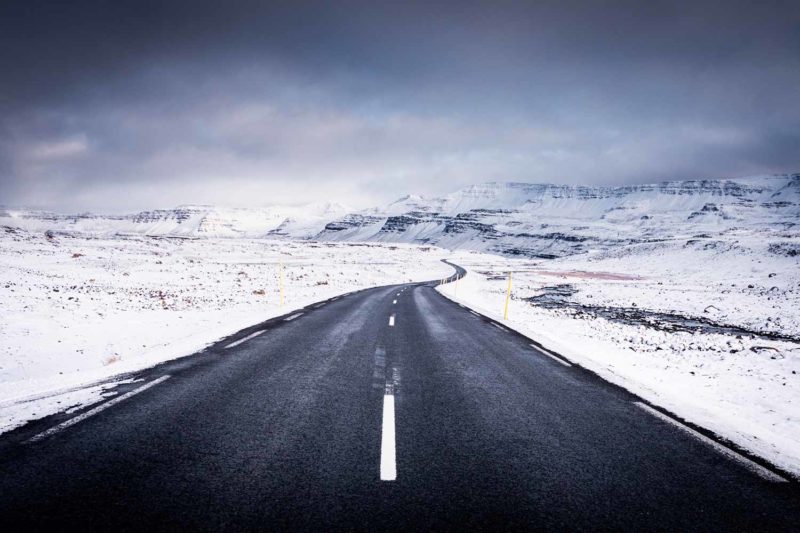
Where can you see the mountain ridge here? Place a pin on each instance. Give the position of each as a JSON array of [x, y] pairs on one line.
[[510, 218]]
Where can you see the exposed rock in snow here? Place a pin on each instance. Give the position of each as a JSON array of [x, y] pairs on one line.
[[548, 221], [513, 219], [186, 221]]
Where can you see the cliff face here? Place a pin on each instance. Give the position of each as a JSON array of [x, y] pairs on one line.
[[534, 220], [187, 221], [540, 220]]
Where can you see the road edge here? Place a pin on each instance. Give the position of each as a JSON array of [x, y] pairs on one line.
[[792, 477]]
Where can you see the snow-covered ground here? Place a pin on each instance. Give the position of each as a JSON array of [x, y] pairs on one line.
[[79, 310], [695, 328]]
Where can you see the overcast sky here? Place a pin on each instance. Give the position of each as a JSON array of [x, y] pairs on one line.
[[117, 106]]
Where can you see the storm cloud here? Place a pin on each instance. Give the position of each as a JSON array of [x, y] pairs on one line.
[[129, 105]]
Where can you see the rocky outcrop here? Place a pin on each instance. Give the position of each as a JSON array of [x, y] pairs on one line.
[[518, 219], [508, 218]]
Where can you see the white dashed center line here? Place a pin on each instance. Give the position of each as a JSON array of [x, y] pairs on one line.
[[388, 453], [288, 318], [391, 320], [91, 412], [240, 341], [394, 302]]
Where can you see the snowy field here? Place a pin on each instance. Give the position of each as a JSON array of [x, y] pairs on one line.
[[709, 330], [79, 310]]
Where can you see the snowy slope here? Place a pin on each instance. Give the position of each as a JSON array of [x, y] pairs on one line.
[[549, 221], [513, 219], [186, 221]]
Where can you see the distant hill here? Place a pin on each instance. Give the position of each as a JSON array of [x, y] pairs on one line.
[[555, 220], [533, 220]]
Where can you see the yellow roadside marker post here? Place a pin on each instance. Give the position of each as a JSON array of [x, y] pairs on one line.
[[508, 296]]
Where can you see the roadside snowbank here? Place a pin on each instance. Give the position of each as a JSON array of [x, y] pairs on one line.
[[630, 318], [79, 310]]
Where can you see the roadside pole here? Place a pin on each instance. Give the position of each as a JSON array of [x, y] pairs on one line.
[[508, 296]]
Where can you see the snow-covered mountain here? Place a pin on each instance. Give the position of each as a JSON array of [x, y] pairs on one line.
[[555, 220], [187, 221], [533, 220]]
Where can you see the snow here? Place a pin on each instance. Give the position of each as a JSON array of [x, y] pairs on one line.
[[744, 385], [541, 220], [18, 410], [186, 221], [79, 310]]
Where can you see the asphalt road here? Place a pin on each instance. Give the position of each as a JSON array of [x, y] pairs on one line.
[[290, 430]]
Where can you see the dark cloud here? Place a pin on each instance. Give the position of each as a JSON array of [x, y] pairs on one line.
[[123, 105]]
